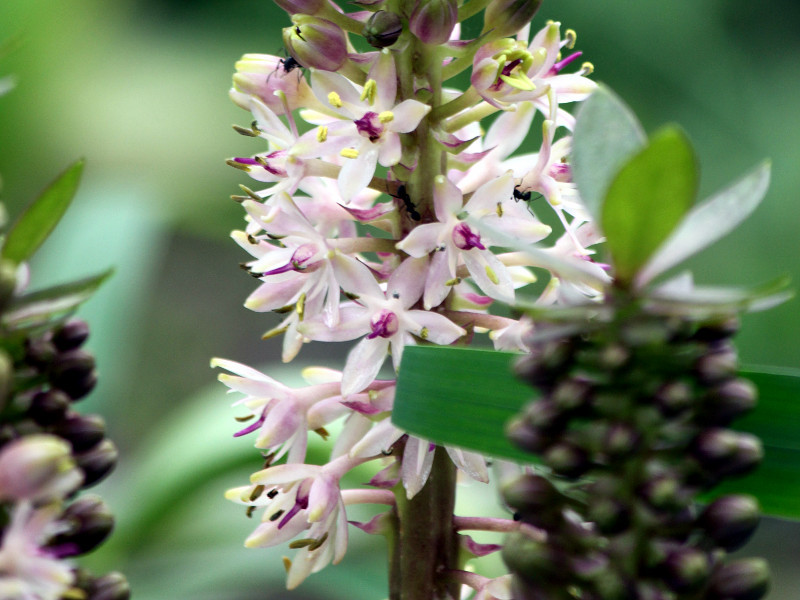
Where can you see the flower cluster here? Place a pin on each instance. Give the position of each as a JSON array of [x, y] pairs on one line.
[[379, 217]]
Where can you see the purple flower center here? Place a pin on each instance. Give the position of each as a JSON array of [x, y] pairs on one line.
[[561, 172], [370, 126], [466, 239], [554, 70], [384, 325], [254, 425], [298, 262]]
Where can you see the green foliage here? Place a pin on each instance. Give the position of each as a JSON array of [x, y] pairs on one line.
[[647, 199], [485, 394], [40, 218]]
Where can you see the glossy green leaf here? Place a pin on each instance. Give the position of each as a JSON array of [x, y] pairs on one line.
[[607, 133], [38, 220], [708, 222], [35, 307], [648, 199], [464, 397]]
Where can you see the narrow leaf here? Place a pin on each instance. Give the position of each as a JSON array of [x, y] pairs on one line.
[[41, 305], [607, 133], [464, 397], [647, 200], [38, 220], [708, 222]]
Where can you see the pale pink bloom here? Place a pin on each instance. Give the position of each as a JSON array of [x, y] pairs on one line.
[[385, 318], [38, 468], [452, 240], [262, 75], [27, 570], [363, 125]]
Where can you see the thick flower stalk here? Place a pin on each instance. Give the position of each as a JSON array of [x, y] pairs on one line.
[[380, 191]]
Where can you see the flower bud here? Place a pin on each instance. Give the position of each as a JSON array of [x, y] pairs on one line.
[[745, 579], [531, 494], [686, 569], [523, 435], [71, 335], [729, 400], [40, 353], [730, 521], [82, 431], [718, 365], [88, 523], [111, 586], [50, 407], [382, 29], [717, 330], [609, 514], [674, 397], [8, 281], [261, 75], [38, 468], [507, 17], [567, 459], [531, 559], [307, 7], [74, 373], [97, 462], [315, 42], [727, 453], [432, 21], [6, 377]]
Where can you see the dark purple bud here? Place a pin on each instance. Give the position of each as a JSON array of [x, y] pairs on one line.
[[50, 407], [432, 21], [727, 453], [686, 570], [507, 17], [88, 521], [609, 514], [620, 440], [567, 459], [674, 397], [571, 394], [74, 373], [718, 365], [663, 492], [730, 520], [382, 29], [97, 462], [532, 493], [111, 586], [308, 7], [521, 434], [718, 330], [71, 335], [40, 353], [729, 400], [744, 579], [612, 586], [531, 558], [545, 415], [82, 431]]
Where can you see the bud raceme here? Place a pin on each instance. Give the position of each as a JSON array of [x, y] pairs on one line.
[[316, 42]]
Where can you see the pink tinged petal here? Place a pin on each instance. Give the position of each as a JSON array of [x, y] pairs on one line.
[[325, 412], [434, 327], [363, 364], [380, 524], [267, 534], [475, 548], [408, 281], [292, 340], [355, 277], [407, 115], [486, 197], [471, 463], [439, 274], [509, 129], [282, 422], [272, 295], [390, 150], [386, 478], [253, 387], [417, 463], [325, 82], [323, 497], [489, 274], [271, 126], [355, 427], [384, 73], [421, 240], [243, 370], [447, 199], [357, 172], [378, 440], [289, 473], [365, 215], [353, 323]]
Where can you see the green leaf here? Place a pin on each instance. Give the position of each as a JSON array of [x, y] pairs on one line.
[[607, 133], [36, 307], [708, 222], [647, 200], [464, 397], [38, 220]]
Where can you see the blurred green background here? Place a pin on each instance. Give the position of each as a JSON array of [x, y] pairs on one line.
[[139, 88]]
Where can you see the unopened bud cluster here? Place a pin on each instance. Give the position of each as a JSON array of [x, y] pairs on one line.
[[48, 453], [633, 423]]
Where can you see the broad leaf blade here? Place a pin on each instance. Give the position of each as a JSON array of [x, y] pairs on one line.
[[460, 397], [39, 219], [607, 133], [33, 308], [647, 200], [708, 222], [464, 397]]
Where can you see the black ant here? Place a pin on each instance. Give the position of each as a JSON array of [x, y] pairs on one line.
[[289, 64], [525, 196], [411, 209]]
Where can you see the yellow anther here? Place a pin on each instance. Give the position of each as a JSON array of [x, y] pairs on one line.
[[386, 116], [491, 275], [349, 153], [369, 91], [519, 81], [570, 36], [334, 100], [301, 306], [287, 563], [499, 209], [587, 68], [322, 133], [424, 333]]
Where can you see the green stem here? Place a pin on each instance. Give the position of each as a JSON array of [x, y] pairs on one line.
[[471, 8], [426, 544], [461, 102], [481, 111], [348, 24]]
